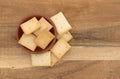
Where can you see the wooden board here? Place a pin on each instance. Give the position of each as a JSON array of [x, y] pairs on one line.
[[18, 58], [94, 22], [96, 26], [67, 70]]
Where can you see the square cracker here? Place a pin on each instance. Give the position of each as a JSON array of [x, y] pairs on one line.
[[60, 48], [61, 23], [43, 59], [28, 41], [30, 26], [66, 36], [44, 38], [44, 25], [54, 59]]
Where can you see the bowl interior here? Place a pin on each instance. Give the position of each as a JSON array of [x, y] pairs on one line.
[[38, 49]]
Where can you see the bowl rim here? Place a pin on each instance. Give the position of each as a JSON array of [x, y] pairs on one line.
[[51, 43]]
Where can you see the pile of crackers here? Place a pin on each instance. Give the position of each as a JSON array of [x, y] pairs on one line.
[[37, 34]]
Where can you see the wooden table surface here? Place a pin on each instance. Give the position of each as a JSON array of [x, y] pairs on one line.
[[96, 23]]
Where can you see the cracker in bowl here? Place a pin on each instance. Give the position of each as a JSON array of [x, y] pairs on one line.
[[30, 26], [44, 38], [28, 41]]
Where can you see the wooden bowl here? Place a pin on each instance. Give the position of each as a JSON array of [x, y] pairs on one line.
[[38, 49]]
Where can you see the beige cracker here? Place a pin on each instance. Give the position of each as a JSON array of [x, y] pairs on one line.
[[43, 59], [54, 59], [28, 41], [60, 48], [61, 23], [30, 26], [44, 25], [66, 36], [44, 38]]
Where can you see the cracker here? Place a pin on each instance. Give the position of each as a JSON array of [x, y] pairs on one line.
[[54, 59], [61, 23], [60, 48], [30, 26], [44, 38], [28, 41], [44, 25], [66, 36], [43, 59]]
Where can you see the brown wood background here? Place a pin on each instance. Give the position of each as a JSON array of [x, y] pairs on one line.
[[96, 23]]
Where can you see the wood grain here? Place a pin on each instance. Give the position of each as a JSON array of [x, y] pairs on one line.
[[18, 58], [96, 25], [67, 70], [94, 22]]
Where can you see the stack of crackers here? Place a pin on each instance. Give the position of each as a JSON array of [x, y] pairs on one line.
[[37, 33]]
